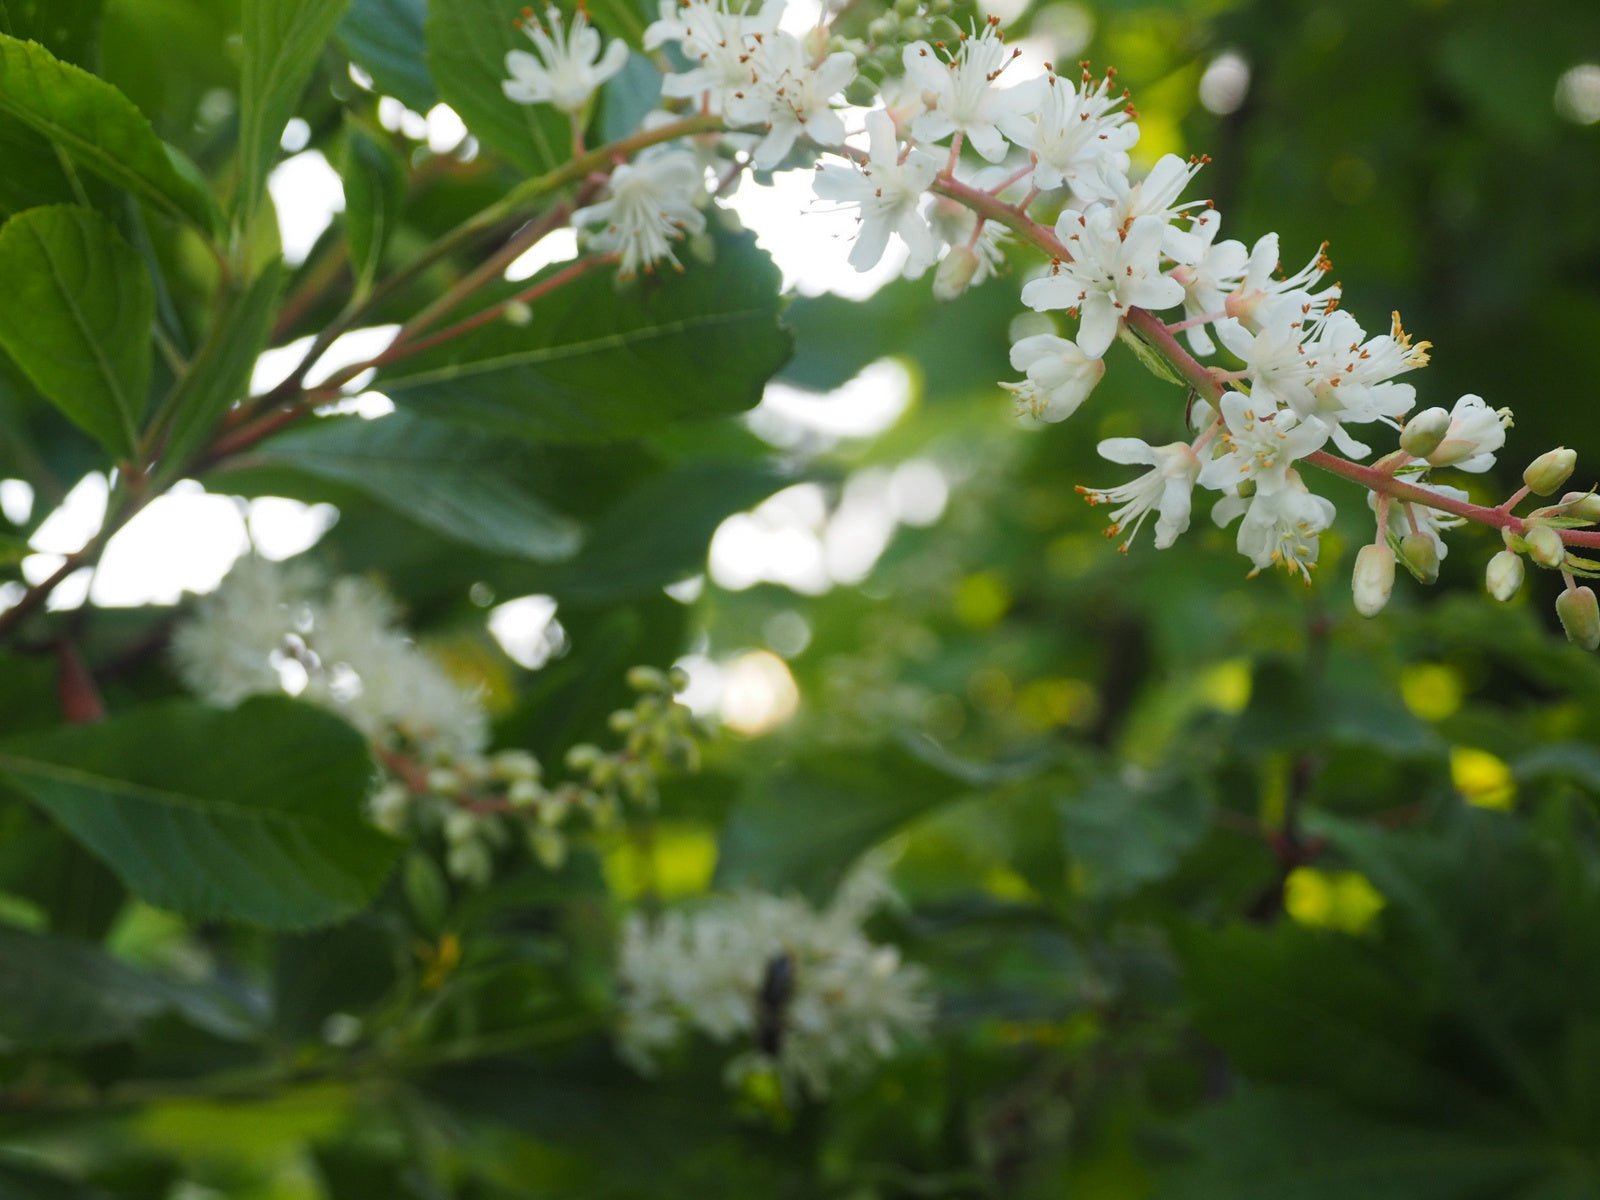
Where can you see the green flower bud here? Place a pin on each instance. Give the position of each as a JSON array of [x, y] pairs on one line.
[[583, 756], [647, 679], [1550, 470], [1424, 432], [1421, 553], [1583, 505], [1373, 579], [1580, 616], [1545, 546], [1504, 575]]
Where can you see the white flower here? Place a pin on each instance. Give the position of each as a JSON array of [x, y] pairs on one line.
[[790, 96], [1281, 528], [229, 648], [889, 194], [1079, 137], [652, 202], [717, 41], [1259, 447], [1156, 195], [1258, 285], [1111, 271], [568, 67], [1167, 487], [1060, 376], [1208, 270], [1353, 376], [266, 631], [963, 96], [374, 676], [805, 990], [1476, 432]]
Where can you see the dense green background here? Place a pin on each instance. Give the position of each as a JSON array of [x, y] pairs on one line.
[[1225, 892]]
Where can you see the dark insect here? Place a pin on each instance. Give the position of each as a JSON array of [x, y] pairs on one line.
[[772, 999]]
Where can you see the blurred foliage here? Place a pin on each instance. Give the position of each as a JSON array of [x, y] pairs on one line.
[[1224, 892]]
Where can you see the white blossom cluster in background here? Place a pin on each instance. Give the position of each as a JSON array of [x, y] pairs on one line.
[[279, 628], [1301, 373], [802, 993]]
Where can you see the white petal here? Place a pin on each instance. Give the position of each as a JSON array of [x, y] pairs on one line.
[[1130, 452]]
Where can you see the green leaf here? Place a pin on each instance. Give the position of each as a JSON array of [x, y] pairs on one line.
[[33, 173], [220, 373], [804, 826], [62, 993], [1274, 1144], [282, 42], [75, 314], [602, 360], [385, 39], [58, 992], [451, 480], [69, 29], [467, 45], [626, 97], [1317, 1008], [252, 815], [22, 1179], [99, 128], [659, 532], [1576, 762], [374, 185], [1123, 837]]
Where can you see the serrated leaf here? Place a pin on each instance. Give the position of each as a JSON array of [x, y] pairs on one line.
[[467, 45], [1277, 1143], [99, 128], [385, 39], [1124, 837], [601, 360], [58, 992], [252, 815], [448, 479], [803, 826], [374, 185], [220, 373], [75, 315], [282, 41], [659, 532]]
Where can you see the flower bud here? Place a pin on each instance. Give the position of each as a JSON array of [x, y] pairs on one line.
[[955, 272], [1421, 553], [647, 679], [1580, 616], [1583, 505], [1424, 432], [1545, 546], [1504, 575], [1373, 578], [1550, 470]]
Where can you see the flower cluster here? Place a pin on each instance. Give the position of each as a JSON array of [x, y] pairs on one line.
[[1302, 373], [275, 628], [804, 992]]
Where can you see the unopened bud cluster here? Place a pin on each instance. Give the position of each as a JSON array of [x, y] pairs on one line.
[[275, 628], [658, 734]]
